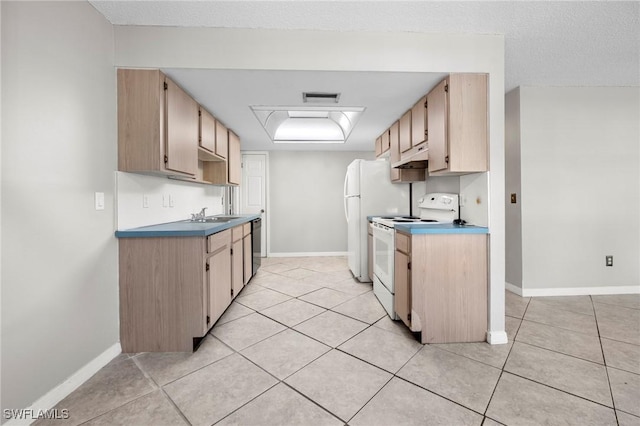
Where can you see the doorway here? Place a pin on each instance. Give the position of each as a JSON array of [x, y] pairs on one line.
[[253, 191]]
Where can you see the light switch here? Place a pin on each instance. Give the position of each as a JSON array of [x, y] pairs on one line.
[[145, 201], [165, 200], [99, 200], [170, 200]]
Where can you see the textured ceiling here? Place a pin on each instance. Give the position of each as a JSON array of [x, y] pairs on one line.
[[546, 43]]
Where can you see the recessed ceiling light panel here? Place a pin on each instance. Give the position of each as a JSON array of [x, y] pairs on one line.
[[308, 124]]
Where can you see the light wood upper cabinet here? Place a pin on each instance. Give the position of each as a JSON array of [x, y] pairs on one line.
[[207, 139], [234, 160], [457, 117], [419, 122], [157, 125], [222, 140], [382, 144], [385, 141], [405, 132], [225, 172], [401, 175]]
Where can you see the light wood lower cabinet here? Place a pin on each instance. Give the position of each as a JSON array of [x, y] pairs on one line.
[[248, 252], [237, 255], [219, 276], [174, 289], [402, 278], [443, 278]]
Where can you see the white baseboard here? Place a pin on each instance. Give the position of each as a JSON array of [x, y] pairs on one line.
[[513, 288], [309, 254], [57, 394], [571, 291], [497, 337], [580, 291]]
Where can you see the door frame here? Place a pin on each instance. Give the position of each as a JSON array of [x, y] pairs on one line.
[[267, 221]]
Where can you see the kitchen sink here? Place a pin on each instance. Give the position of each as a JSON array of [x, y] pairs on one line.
[[212, 219]]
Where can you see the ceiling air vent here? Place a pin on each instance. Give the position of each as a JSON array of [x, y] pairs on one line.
[[320, 98]]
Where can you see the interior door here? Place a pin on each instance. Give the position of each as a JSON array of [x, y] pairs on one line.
[[254, 192]]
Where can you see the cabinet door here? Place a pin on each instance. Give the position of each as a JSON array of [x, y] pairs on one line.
[[219, 279], [235, 174], [247, 258], [437, 119], [385, 141], [237, 273], [207, 137], [419, 122], [402, 283], [467, 123], [378, 146], [181, 136], [405, 132], [222, 140]]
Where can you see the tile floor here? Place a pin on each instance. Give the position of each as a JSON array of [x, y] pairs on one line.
[[305, 344]]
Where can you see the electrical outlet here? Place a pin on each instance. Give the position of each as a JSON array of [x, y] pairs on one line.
[[608, 260], [145, 201], [165, 200]]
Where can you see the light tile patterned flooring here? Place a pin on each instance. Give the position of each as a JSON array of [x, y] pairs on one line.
[[305, 344]]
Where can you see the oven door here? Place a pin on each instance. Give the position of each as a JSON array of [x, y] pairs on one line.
[[383, 254]]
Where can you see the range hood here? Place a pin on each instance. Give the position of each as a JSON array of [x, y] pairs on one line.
[[416, 158]]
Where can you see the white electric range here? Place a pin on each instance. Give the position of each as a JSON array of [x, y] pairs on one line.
[[435, 208]]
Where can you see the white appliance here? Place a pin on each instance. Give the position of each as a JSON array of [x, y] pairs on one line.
[[435, 208], [368, 191]]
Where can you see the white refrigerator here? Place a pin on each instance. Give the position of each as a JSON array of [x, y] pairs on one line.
[[368, 191]]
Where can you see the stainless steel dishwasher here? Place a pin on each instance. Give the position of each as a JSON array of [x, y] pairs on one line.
[[256, 242]]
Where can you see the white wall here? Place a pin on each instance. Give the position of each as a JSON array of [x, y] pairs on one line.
[[513, 217], [580, 197], [187, 198], [59, 255], [217, 48], [306, 201]]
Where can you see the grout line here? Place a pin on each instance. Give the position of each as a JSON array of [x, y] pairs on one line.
[[439, 395], [560, 353], [559, 390], [604, 359], [312, 401]]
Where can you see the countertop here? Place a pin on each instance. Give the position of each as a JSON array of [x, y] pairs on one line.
[[185, 228], [443, 228]]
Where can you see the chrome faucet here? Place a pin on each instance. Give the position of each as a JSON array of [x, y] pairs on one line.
[[199, 217]]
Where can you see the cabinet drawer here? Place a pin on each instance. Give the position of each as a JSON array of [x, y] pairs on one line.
[[403, 243], [218, 240], [236, 233], [246, 229]]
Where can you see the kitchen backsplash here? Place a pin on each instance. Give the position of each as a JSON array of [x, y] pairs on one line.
[[146, 200]]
